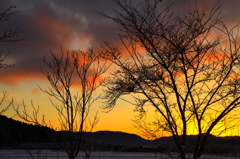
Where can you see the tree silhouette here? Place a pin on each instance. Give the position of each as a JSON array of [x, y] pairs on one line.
[[184, 71], [7, 36], [65, 71]]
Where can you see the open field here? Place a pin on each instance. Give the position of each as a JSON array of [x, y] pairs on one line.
[[49, 154]]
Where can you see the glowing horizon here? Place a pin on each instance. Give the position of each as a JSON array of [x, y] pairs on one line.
[[69, 25]]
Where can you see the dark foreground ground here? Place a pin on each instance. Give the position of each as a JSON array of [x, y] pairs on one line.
[[49, 154]]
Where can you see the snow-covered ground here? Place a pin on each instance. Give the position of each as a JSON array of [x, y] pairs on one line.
[[48, 154]]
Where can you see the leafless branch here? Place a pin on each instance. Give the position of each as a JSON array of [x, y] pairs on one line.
[[186, 73]]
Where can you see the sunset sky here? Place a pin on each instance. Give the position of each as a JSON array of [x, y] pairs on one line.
[[70, 25]]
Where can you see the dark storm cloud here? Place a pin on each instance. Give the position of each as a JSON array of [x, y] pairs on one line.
[[52, 24]]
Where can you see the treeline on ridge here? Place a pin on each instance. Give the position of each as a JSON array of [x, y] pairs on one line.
[[14, 133]]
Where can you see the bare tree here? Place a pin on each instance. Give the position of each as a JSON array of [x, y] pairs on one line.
[[7, 36], [5, 108], [148, 130], [184, 71], [79, 68], [10, 35]]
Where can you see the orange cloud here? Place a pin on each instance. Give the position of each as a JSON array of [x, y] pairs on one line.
[[36, 91], [14, 77]]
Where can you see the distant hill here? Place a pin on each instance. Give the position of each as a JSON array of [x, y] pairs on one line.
[[115, 138], [13, 132], [215, 145], [121, 138]]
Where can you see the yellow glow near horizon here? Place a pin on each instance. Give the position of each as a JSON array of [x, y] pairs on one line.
[[119, 119]]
